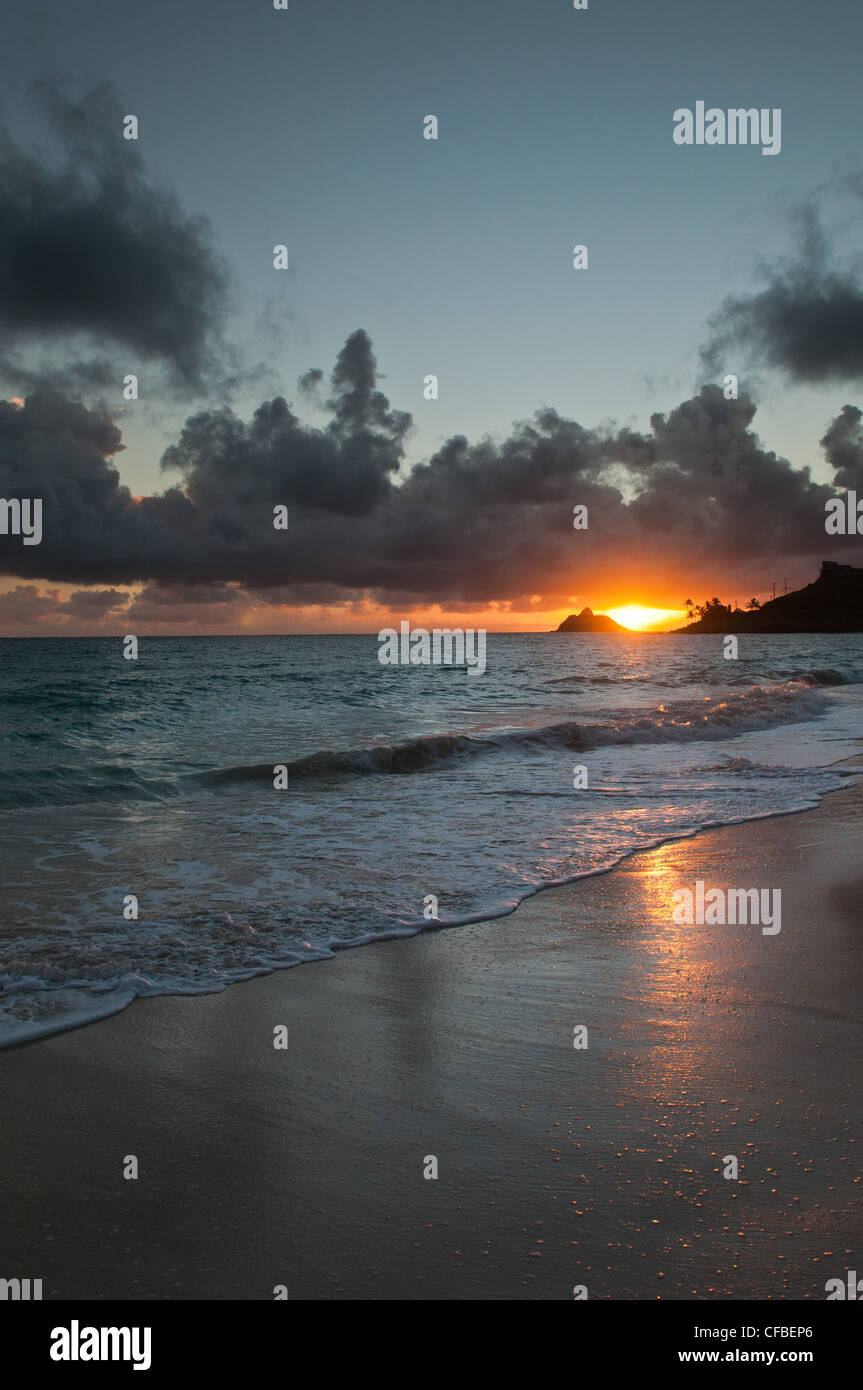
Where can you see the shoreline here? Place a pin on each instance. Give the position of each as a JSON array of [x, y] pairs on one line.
[[557, 1167], [408, 933]]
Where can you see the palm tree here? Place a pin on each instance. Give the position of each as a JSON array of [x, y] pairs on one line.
[[690, 608], [753, 604]]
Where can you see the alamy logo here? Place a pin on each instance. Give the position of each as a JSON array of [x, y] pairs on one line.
[[22, 516], [737, 126], [844, 515], [849, 1287], [716, 907], [77, 1343], [443, 646], [19, 1290]]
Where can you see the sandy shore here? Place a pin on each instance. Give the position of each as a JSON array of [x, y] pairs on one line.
[[557, 1167]]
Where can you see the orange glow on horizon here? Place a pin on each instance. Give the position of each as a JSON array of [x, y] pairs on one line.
[[643, 619], [249, 615]]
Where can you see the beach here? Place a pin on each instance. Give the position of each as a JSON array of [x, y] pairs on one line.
[[597, 1168]]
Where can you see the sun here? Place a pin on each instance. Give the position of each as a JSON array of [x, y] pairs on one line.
[[640, 618]]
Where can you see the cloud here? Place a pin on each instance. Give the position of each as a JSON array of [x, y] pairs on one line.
[[230, 468], [116, 611], [27, 605], [200, 604], [92, 252], [479, 522], [808, 319], [309, 383], [94, 603], [843, 447]]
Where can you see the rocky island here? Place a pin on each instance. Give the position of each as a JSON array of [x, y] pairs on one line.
[[588, 621]]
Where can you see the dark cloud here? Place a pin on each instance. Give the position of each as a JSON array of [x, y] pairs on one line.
[[309, 383], [201, 604], [95, 603], [93, 253], [843, 447], [229, 467], [26, 605], [807, 321], [479, 522]]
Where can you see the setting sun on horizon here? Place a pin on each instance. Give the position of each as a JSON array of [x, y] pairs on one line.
[[643, 619]]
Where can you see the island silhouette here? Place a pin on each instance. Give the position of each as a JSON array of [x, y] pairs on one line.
[[588, 621], [831, 603]]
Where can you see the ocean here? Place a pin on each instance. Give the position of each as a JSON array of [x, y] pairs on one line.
[[153, 780]]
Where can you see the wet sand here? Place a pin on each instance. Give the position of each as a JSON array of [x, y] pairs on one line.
[[557, 1166]]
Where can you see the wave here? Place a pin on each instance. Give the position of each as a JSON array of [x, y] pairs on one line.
[[761, 707], [686, 721], [59, 785], [826, 676], [203, 952], [822, 676]]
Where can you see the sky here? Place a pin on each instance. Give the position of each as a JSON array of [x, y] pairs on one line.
[[304, 387]]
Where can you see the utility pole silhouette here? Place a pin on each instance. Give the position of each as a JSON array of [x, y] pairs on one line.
[[786, 586], [774, 588]]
